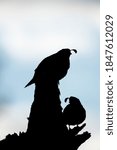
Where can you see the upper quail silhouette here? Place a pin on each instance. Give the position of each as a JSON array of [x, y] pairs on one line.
[[74, 113], [53, 67]]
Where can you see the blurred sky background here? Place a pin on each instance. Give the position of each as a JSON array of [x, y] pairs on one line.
[[32, 30]]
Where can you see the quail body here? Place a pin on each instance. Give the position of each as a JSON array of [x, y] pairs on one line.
[[74, 113], [53, 67]]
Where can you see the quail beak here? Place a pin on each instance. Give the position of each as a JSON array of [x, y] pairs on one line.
[[74, 50]]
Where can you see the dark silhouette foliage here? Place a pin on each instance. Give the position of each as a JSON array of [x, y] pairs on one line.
[[47, 121]]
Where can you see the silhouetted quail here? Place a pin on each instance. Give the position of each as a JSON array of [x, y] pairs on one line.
[[74, 113], [53, 67]]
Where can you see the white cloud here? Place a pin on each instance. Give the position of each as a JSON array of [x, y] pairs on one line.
[[38, 29]]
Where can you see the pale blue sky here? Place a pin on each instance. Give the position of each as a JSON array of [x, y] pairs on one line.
[[30, 32]]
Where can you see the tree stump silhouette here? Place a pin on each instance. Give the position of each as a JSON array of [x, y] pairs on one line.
[[47, 128]]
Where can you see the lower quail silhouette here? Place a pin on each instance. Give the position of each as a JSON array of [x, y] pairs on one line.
[[74, 113]]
